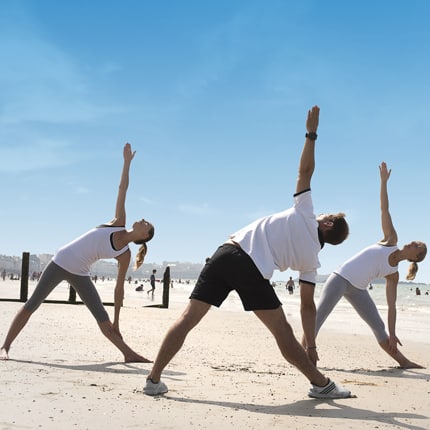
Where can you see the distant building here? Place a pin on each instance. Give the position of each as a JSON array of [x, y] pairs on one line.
[[107, 268]]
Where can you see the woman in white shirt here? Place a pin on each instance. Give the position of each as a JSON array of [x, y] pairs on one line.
[[380, 260], [73, 261]]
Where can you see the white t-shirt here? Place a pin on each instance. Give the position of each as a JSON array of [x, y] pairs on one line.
[[77, 256], [287, 239], [369, 264]]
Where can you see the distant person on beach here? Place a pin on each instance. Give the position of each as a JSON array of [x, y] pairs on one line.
[[290, 286], [152, 282], [73, 261], [417, 291], [380, 260], [246, 262]]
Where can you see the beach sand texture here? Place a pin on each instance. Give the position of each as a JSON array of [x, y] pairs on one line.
[[64, 374]]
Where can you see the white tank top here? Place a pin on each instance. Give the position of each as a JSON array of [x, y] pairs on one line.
[[369, 264], [77, 256]]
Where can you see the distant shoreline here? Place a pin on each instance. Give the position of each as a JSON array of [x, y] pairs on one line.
[[178, 269]]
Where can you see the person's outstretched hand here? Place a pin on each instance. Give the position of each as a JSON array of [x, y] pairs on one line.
[[393, 342], [115, 328], [128, 153], [313, 355], [384, 172], [312, 119]]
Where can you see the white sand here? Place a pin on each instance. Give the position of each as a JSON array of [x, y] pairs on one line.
[[64, 374]]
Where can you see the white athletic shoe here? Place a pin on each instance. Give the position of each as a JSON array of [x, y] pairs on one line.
[[152, 389], [329, 391]]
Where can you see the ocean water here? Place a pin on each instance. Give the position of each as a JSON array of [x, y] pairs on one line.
[[406, 296], [407, 300]]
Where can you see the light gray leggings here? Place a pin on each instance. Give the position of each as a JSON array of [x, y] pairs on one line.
[[52, 276], [337, 287]]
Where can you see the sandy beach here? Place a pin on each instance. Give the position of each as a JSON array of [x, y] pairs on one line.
[[64, 374]]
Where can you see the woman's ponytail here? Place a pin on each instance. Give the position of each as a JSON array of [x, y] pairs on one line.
[[140, 256], [412, 271]]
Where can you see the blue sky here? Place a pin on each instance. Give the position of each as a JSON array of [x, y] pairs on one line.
[[213, 96]]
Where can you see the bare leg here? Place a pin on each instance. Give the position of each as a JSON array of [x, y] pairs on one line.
[[130, 356], [15, 328], [399, 357], [290, 348], [176, 335]]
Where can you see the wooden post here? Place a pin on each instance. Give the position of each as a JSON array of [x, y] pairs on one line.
[[166, 287], [25, 264], [72, 294]]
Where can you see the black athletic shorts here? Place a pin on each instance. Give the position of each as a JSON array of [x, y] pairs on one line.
[[230, 268]]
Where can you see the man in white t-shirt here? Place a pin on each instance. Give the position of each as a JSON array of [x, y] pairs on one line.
[[245, 263]]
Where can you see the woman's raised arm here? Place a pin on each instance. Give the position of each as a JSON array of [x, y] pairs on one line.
[[388, 230], [120, 217]]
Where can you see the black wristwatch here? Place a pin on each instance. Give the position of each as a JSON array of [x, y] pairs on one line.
[[311, 135]]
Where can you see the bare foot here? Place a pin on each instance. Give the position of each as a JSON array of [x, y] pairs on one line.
[[136, 358], [411, 365], [4, 354]]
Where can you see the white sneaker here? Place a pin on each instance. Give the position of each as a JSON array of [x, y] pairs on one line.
[[329, 391], [155, 389]]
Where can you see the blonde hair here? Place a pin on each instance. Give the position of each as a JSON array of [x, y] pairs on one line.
[[140, 256], [412, 271], [413, 267]]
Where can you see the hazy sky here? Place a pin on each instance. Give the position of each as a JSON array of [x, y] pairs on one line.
[[213, 96]]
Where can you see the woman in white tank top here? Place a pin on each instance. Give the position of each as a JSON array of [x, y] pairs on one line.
[[73, 261], [380, 260]]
